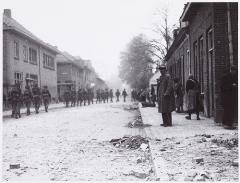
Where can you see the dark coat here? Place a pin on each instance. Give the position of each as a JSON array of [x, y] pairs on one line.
[[229, 98], [166, 103]]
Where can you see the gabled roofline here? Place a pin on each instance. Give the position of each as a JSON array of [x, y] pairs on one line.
[[54, 50]]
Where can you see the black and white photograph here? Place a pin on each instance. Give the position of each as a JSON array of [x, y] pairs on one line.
[[119, 90]]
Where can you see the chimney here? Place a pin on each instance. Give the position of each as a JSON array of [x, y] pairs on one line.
[[7, 12]]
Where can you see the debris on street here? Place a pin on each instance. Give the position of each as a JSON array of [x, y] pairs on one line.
[[131, 107], [215, 159], [137, 122], [14, 166], [133, 142]]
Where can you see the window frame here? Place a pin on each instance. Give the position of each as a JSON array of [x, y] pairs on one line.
[[16, 49], [32, 56], [25, 53]]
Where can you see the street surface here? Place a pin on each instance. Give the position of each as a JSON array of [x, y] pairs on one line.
[[71, 144]]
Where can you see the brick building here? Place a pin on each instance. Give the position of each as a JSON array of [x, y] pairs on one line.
[[205, 46], [26, 58]]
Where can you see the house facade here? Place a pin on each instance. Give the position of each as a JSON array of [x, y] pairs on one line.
[[73, 72], [206, 46], [26, 59]]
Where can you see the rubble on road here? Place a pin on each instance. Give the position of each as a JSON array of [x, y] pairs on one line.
[[198, 159], [14, 166], [136, 122], [229, 143], [139, 175], [133, 142], [235, 162], [131, 107]]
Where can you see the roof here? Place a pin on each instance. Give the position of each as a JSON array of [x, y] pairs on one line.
[[190, 10], [65, 57], [178, 40], [13, 25]]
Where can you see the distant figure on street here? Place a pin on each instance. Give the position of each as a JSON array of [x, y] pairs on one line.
[[153, 95], [111, 95], [27, 98], [193, 97], [117, 95], [178, 95], [229, 97], [85, 96], [124, 94], [165, 96], [67, 96], [36, 92], [46, 96], [106, 95], [79, 97], [16, 97], [103, 96], [98, 96]]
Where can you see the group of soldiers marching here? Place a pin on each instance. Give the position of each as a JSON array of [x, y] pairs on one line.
[[34, 96], [37, 96], [85, 96], [78, 98]]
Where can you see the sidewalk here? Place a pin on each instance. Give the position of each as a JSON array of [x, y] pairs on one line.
[[172, 158], [8, 113], [181, 126]]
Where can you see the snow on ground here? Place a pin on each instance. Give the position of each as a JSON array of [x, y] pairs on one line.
[[71, 144], [175, 148]]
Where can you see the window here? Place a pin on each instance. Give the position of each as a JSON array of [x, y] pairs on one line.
[[188, 62], [195, 57], [32, 78], [183, 71], [25, 53], [210, 56], [48, 62], [210, 39], [18, 77], [33, 56], [201, 63], [16, 50]]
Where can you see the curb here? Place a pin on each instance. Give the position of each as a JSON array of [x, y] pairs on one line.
[[155, 168]]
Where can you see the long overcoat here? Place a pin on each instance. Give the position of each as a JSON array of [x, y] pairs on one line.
[[166, 103]]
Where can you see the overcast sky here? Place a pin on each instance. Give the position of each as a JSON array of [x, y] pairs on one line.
[[97, 30]]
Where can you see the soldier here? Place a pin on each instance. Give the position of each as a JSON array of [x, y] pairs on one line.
[[117, 95], [98, 95], [46, 96], [165, 95], [84, 96], [16, 101], [111, 95], [92, 95], [124, 94], [106, 95], [79, 97], [67, 96], [73, 98], [88, 95], [103, 95], [36, 97], [27, 97]]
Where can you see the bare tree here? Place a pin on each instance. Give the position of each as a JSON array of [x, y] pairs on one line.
[[161, 44]]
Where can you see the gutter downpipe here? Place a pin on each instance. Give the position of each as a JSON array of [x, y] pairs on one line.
[[39, 57], [230, 35]]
